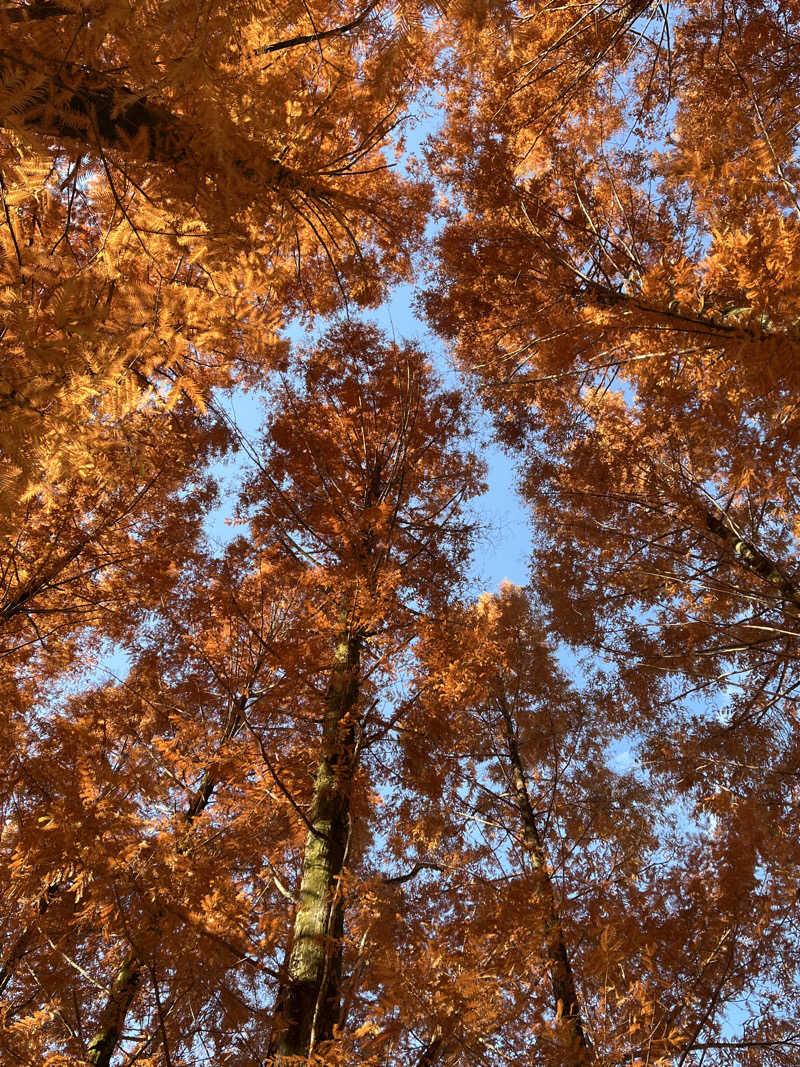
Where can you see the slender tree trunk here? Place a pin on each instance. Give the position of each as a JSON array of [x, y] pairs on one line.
[[308, 1002], [112, 1018], [109, 1030], [13, 955], [562, 982], [751, 557]]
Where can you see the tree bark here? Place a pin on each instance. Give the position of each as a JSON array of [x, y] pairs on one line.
[[562, 981], [308, 1001], [112, 1018]]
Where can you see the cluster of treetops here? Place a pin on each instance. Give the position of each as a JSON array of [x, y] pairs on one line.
[[299, 792]]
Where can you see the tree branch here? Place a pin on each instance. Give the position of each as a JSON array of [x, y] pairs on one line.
[[322, 35], [399, 879], [43, 9]]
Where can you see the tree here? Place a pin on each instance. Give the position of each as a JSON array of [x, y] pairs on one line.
[[141, 871], [623, 195], [364, 482], [303, 796], [618, 302], [150, 247], [354, 502], [147, 263]]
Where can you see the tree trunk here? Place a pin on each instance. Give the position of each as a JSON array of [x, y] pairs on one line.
[[126, 983], [562, 982], [308, 1002], [101, 1047]]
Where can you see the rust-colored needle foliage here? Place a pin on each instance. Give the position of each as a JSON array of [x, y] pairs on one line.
[[295, 790]]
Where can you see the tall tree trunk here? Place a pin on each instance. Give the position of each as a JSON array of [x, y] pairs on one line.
[[562, 982], [112, 1018], [109, 1029], [308, 1002]]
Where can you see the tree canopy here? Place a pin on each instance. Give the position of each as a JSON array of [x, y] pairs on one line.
[[302, 792]]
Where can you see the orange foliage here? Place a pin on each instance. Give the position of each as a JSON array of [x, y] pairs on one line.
[[307, 796]]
